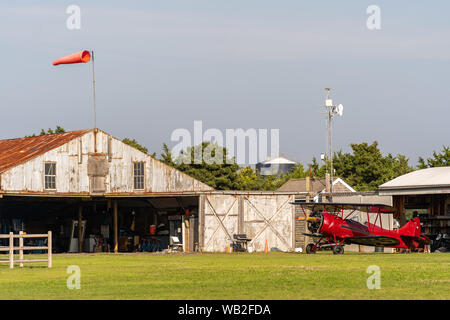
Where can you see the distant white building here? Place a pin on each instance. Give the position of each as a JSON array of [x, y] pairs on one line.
[[276, 166]]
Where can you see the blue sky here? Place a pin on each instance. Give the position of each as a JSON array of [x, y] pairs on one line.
[[160, 65]]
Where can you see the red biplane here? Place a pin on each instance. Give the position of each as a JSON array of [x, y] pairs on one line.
[[332, 229]]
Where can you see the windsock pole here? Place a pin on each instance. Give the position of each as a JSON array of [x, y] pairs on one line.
[[93, 87]]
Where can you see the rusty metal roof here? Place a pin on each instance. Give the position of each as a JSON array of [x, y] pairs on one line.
[[17, 151]]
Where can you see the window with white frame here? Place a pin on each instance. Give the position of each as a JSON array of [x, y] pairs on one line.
[[50, 175], [139, 176]]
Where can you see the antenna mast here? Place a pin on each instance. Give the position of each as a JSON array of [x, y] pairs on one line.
[[331, 111]]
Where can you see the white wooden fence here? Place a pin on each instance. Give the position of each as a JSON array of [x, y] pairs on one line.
[[21, 248]]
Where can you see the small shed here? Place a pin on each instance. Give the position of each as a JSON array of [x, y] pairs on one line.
[[424, 193]]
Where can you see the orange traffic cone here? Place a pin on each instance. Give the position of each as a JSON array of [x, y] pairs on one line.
[[79, 57], [266, 248]]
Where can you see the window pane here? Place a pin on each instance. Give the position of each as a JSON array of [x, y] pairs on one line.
[[50, 168], [138, 178], [50, 175]]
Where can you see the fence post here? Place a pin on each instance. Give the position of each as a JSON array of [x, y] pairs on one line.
[[49, 249], [11, 250], [21, 248]]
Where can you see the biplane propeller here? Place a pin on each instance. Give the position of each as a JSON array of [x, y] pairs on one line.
[[308, 218], [331, 226]]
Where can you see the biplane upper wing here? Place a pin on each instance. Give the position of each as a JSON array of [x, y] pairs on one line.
[[334, 206], [376, 241]]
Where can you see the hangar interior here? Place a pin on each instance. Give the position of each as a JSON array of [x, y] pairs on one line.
[[433, 211], [144, 224], [426, 194]]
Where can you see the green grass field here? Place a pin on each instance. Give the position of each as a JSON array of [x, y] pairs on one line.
[[277, 276]]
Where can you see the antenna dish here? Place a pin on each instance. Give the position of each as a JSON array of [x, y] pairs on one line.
[[340, 109]]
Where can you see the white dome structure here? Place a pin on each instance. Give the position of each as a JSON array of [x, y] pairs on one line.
[[275, 166], [279, 160]]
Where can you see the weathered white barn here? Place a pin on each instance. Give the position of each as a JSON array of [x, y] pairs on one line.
[[124, 199]]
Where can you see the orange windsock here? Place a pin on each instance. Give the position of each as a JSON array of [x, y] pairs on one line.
[[79, 57]]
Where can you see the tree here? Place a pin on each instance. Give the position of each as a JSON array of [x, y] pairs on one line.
[[224, 173], [49, 131], [399, 165], [59, 130], [138, 146], [166, 156], [364, 169], [441, 159], [317, 171], [296, 172], [214, 168], [248, 179], [367, 168]]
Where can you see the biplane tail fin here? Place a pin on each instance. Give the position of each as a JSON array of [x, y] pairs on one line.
[[411, 228], [411, 233]]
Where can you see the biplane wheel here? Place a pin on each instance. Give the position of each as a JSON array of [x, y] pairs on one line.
[[309, 248], [338, 249]]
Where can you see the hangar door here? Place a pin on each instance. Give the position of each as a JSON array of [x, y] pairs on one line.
[[261, 217]]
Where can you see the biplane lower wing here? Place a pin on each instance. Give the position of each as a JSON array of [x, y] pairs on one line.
[[375, 241], [313, 235], [421, 240]]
